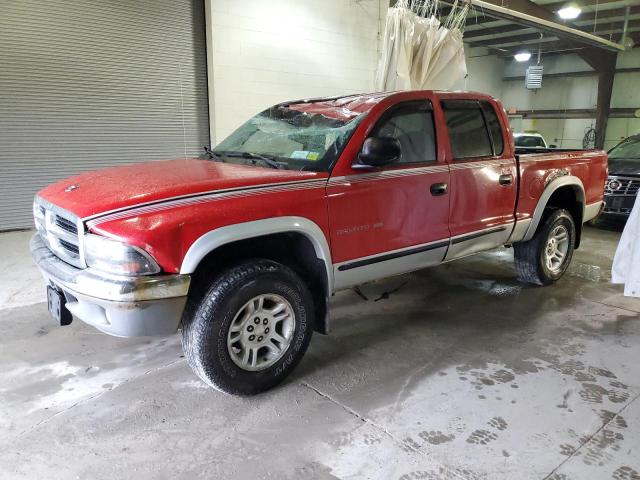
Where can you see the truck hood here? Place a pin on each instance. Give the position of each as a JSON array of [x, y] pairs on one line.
[[624, 166], [117, 188]]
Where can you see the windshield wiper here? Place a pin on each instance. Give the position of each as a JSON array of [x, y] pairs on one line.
[[213, 155], [253, 156]]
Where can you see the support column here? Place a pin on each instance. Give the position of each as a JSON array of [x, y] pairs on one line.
[[208, 21], [605, 87], [604, 63]]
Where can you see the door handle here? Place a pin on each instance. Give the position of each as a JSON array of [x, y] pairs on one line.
[[438, 189], [506, 179]]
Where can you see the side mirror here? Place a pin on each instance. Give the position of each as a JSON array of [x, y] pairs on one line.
[[379, 151], [553, 146]]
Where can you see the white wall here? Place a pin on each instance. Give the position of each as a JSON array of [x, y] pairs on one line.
[[626, 94], [572, 93], [484, 73], [267, 51], [555, 94]]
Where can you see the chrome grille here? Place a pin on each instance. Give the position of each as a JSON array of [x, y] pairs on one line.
[[66, 225], [627, 186], [69, 247], [59, 230]]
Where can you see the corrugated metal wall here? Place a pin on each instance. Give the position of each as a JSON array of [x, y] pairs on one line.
[[87, 83]]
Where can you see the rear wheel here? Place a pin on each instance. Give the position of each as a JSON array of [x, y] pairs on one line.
[[250, 329], [544, 259]]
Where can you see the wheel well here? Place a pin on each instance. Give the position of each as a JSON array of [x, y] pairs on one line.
[[292, 249], [569, 198]]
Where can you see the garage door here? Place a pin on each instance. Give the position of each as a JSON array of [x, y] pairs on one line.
[[88, 84]]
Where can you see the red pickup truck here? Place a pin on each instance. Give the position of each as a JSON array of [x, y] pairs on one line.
[[243, 248]]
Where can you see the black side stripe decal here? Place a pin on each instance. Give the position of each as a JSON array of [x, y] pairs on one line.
[[391, 256], [471, 236], [413, 251]]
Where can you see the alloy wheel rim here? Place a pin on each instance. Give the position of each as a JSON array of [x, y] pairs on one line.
[[556, 249], [261, 332]]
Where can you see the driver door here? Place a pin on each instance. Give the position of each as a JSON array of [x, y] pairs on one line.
[[392, 219]]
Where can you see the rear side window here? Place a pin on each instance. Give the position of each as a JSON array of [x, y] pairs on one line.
[[494, 127], [468, 132], [411, 123]]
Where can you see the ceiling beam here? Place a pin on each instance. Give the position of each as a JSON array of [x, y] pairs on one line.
[[549, 48], [599, 60], [477, 17], [582, 73], [586, 3], [602, 18], [496, 42], [607, 28], [604, 15], [483, 32], [525, 12], [505, 39]]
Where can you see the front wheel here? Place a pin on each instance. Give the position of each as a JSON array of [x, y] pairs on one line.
[[544, 259], [250, 329]]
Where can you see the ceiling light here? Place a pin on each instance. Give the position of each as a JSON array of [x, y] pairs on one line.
[[569, 12], [522, 56], [628, 42]]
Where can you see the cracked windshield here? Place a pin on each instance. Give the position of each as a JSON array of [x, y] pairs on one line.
[[284, 137]]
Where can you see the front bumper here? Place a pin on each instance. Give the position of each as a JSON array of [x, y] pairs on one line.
[[117, 305], [620, 205]]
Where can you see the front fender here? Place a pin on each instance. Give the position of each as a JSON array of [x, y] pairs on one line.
[[242, 231]]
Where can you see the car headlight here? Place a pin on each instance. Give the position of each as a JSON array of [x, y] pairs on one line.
[[116, 257], [38, 216]]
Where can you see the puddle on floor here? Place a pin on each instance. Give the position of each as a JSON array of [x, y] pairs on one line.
[[593, 273]]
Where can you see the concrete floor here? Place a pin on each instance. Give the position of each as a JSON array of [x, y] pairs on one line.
[[455, 372], [21, 284]]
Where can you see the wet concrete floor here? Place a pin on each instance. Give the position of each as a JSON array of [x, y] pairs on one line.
[[461, 372]]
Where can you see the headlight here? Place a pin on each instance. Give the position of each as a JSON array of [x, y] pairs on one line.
[[116, 257], [38, 216]]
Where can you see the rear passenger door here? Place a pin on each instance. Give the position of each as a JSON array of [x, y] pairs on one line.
[[483, 178]]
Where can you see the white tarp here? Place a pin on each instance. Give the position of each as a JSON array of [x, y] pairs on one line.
[[420, 52], [626, 263]]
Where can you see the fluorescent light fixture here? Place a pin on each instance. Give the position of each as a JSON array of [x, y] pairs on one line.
[[522, 56], [569, 12], [628, 42]]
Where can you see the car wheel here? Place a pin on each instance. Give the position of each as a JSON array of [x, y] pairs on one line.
[[544, 259], [250, 329]]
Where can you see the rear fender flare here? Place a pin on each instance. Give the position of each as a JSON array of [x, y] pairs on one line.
[[550, 189]]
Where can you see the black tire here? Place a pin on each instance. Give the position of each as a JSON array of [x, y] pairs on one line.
[[530, 256], [204, 334]]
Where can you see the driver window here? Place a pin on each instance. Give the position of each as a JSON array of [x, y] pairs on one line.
[[412, 125]]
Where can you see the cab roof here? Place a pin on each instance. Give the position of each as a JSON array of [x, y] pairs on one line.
[[347, 107]]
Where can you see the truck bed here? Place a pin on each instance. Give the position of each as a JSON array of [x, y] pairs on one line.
[[537, 170]]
